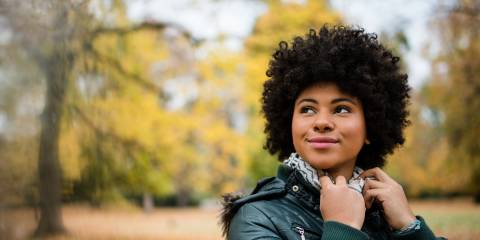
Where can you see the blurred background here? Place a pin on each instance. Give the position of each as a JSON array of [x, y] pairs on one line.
[[129, 119]]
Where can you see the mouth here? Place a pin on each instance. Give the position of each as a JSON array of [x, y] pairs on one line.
[[322, 142]]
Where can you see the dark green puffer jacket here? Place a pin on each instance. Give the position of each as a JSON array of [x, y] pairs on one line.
[[287, 207]]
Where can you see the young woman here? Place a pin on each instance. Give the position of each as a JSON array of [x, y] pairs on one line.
[[335, 106]]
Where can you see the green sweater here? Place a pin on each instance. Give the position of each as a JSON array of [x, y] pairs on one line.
[[287, 207]]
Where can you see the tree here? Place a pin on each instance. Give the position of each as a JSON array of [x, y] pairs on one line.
[[455, 85], [55, 34], [425, 149], [54, 60]]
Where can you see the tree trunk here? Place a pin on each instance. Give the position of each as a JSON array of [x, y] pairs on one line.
[[147, 202], [49, 170], [183, 197], [476, 188]]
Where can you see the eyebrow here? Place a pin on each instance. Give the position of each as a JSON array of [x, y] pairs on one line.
[[336, 100]]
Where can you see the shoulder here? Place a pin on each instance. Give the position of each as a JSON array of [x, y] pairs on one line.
[[252, 221], [267, 188], [254, 208]]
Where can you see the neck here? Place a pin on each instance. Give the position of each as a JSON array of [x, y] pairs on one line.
[[346, 171]]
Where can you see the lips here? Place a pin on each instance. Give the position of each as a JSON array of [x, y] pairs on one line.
[[322, 142]]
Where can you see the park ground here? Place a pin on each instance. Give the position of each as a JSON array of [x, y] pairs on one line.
[[455, 219]]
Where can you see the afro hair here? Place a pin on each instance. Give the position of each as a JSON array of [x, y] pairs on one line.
[[358, 65]]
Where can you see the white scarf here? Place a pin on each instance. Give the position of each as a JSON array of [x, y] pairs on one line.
[[311, 175]]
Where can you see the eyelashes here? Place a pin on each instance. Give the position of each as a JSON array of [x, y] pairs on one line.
[[341, 109], [308, 110]]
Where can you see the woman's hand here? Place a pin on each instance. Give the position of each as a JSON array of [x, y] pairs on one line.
[[340, 203], [390, 195]]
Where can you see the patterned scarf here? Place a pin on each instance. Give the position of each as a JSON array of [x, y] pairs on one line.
[[311, 175]]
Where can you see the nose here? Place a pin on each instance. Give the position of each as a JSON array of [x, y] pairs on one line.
[[323, 123]]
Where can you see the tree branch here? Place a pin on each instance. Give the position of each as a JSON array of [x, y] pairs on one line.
[[148, 85], [127, 143], [149, 25]]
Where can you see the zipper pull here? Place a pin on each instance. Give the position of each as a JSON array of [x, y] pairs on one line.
[[302, 232]]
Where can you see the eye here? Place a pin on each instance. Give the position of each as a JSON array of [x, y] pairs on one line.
[[342, 109], [307, 110]]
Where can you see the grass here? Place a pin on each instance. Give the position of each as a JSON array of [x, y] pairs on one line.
[[456, 219]]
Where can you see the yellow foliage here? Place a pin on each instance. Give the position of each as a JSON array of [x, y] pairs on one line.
[[209, 145]]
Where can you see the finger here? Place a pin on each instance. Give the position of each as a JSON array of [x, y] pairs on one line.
[[377, 173], [373, 194], [340, 180], [369, 202], [370, 173], [369, 197], [373, 184], [325, 182]]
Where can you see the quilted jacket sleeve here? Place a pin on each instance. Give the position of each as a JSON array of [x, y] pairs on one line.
[[423, 233], [338, 231], [251, 223]]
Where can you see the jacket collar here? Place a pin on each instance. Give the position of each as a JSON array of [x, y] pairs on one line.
[[302, 191], [297, 186], [284, 172]]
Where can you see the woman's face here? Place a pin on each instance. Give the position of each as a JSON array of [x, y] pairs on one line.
[[328, 128]]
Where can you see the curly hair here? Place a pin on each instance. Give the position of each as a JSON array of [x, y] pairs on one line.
[[358, 65]]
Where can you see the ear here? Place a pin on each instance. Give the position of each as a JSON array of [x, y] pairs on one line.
[[367, 142]]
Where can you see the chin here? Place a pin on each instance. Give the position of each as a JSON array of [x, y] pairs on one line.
[[321, 164]]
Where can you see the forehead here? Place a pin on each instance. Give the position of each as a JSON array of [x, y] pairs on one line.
[[323, 90]]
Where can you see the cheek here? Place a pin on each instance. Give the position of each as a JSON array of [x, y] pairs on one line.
[[356, 131], [299, 127]]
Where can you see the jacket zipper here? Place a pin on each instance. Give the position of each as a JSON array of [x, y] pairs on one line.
[[301, 231]]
